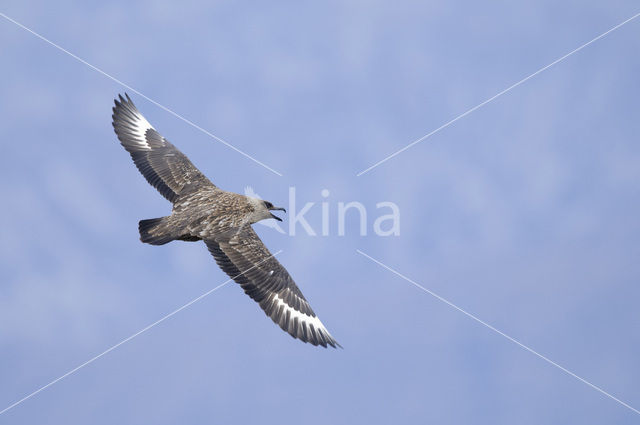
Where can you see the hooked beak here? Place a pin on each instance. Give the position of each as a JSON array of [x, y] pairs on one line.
[[277, 209]]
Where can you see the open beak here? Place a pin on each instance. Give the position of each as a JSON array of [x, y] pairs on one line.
[[277, 209]]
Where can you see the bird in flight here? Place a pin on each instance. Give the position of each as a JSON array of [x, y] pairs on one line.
[[202, 211]]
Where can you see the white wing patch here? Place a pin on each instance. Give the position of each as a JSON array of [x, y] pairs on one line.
[[139, 128], [303, 318]]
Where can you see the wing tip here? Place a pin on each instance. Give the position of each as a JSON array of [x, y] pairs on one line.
[[129, 124], [121, 103], [302, 325], [316, 336], [331, 342]]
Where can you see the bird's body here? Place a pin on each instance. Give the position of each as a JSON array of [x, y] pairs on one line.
[[200, 214], [202, 211]]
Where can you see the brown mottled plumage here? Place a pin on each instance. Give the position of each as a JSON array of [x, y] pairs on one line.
[[202, 211]]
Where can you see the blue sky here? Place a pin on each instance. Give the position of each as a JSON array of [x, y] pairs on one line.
[[523, 213]]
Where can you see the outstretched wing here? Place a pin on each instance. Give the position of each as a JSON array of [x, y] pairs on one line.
[[248, 261], [165, 167]]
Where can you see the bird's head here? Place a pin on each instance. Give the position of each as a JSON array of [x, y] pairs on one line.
[[262, 209]]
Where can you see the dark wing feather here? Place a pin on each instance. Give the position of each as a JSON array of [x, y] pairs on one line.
[[165, 167], [248, 261]]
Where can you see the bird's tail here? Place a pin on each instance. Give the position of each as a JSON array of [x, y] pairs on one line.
[[155, 231]]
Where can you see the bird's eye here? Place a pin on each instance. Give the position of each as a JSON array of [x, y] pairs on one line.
[[268, 204]]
